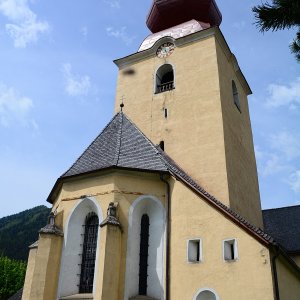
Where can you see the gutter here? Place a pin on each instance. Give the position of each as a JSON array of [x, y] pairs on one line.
[[168, 227]]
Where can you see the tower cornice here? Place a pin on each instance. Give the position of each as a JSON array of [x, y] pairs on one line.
[[134, 58]]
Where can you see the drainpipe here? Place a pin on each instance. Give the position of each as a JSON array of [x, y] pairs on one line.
[[168, 229], [275, 276]]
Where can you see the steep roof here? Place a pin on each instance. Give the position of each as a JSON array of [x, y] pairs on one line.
[[122, 145], [284, 225]]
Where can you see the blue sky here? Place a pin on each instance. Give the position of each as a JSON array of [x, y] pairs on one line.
[[57, 88]]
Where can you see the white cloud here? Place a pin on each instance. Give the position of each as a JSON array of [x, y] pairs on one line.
[[273, 165], [75, 85], [84, 31], [120, 34], [294, 182], [25, 27], [286, 143], [113, 3], [284, 95], [14, 107]]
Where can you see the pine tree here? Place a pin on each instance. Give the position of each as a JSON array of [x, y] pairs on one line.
[[281, 14]]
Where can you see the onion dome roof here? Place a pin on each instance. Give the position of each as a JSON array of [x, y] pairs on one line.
[[168, 13]]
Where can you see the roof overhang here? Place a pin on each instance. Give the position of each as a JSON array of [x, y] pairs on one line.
[[60, 181]]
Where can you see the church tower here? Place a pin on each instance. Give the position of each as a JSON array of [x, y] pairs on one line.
[[164, 203], [184, 89]]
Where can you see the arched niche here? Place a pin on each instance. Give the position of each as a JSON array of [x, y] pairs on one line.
[[206, 294], [153, 208], [71, 258]]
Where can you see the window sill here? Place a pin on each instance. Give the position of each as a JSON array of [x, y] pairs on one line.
[[141, 298]]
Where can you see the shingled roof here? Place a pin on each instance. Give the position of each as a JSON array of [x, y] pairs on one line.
[[122, 145], [284, 225]]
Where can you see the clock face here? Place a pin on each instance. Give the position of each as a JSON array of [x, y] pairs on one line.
[[165, 50]]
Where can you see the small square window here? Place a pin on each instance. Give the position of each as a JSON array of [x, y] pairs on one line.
[[230, 250], [194, 251]]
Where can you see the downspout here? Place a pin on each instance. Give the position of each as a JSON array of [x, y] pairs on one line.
[[275, 276], [168, 230]]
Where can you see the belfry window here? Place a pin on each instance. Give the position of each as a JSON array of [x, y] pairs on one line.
[[164, 79], [89, 253], [236, 97], [144, 249]]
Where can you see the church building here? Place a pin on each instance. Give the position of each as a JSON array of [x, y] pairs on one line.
[[164, 204]]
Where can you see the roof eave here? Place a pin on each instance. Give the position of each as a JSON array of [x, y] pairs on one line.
[[61, 180]]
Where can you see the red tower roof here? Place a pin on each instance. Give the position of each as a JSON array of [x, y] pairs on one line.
[[168, 13]]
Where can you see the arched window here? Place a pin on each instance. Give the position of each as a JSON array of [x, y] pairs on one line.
[[145, 262], [206, 294], [236, 97], [164, 79], [144, 248], [89, 253]]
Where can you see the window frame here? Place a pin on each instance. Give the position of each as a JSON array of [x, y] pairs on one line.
[[155, 92], [200, 251], [235, 249]]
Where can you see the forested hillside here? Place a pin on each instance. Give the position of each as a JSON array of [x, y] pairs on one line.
[[19, 231]]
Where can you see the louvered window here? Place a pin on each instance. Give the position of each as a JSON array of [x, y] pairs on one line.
[[89, 253]]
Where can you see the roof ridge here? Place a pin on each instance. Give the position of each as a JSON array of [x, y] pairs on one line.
[[82, 154], [120, 132], [146, 138]]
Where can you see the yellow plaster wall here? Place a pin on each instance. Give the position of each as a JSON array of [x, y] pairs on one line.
[[296, 259], [193, 131], [110, 282], [29, 274], [121, 187], [240, 157], [248, 278], [289, 281], [47, 264]]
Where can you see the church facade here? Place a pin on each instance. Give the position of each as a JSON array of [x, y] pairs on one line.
[[164, 203]]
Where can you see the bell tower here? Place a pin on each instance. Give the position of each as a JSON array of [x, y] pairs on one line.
[[184, 89]]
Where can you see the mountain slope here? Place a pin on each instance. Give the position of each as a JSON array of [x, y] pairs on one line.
[[19, 231]]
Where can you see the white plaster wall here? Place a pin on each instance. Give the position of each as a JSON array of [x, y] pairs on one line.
[[154, 209], [72, 248]]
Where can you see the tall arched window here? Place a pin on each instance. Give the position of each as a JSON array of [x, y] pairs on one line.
[[145, 263], [144, 248], [164, 79], [236, 97], [89, 253]]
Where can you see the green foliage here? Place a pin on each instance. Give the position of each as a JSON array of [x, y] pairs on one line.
[[281, 14], [12, 275], [19, 231]]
